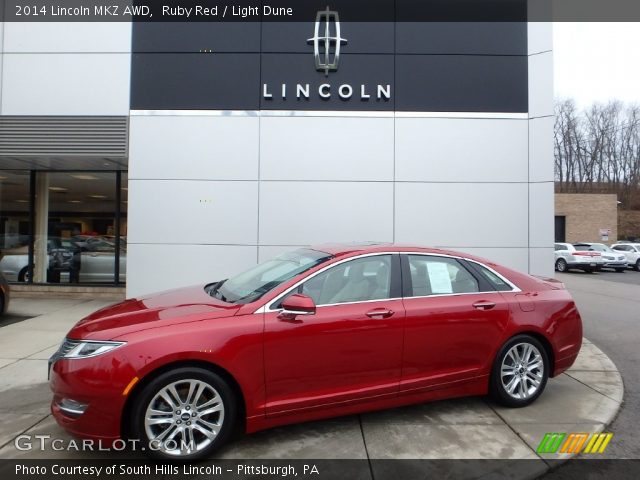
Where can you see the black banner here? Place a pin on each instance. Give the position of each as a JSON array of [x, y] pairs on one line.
[[301, 10]]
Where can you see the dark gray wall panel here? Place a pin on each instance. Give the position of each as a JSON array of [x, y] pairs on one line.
[[174, 81], [195, 37], [506, 38], [461, 83], [354, 70], [362, 37]]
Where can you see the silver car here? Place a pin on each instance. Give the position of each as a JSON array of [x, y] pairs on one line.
[[631, 251], [95, 263], [612, 259], [569, 257]]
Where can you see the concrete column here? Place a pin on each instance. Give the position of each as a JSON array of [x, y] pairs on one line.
[[40, 257]]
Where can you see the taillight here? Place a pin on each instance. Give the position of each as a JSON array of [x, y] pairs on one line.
[[586, 254]]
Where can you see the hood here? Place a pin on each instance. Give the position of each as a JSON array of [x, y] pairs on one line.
[[182, 305]]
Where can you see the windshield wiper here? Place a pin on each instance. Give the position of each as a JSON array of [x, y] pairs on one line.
[[215, 292]]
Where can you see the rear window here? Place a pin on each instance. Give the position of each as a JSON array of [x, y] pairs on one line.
[[495, 280]]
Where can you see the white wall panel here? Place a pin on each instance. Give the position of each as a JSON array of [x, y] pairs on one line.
[[516, 258], [65, 84], [541, 215], [301, 213], [463, 214], [461, 150], [67, 37], [267, 252], [541, 161], [540, 37], [193, 212], [326, 148], [194, 147], [541, 261], [541, 85], [152, 268]]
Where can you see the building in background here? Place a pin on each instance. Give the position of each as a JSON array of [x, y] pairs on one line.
[[584, 217], [199, 149]]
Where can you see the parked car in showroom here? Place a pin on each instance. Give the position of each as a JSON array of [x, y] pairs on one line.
[[612, 260], [631, 251], [568, 257], [5, 294], [314, 333], [79, 258]]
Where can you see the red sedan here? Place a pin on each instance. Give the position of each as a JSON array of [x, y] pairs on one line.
[[314, 333]]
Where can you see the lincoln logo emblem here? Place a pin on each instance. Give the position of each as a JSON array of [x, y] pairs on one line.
[[326, 48]]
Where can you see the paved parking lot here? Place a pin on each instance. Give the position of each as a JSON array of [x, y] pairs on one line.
[[610, 306]]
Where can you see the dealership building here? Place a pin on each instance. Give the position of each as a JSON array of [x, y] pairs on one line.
[[181, 153]]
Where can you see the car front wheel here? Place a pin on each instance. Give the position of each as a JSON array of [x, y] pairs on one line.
[[637, 267], [520, 372], [184, 414]]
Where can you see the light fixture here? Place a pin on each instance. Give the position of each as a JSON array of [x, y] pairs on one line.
[[3, 178], [22, 201], [75, 201], [99, 197], [83, 176], [58, 189]]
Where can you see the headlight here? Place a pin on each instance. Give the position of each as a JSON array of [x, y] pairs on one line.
[[90, 348]]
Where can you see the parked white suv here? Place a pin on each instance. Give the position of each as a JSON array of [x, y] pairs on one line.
[[613, 260], [631, 251], [568, 257]]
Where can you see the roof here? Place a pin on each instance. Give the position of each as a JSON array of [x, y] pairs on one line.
[[340, 249]]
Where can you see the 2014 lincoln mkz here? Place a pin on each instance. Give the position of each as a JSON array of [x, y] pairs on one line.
[[314, 333]]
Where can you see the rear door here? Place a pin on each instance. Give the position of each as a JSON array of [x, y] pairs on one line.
[[454, 321]]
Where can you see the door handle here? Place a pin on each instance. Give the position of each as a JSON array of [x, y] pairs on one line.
[[380, 313], [484, 305]]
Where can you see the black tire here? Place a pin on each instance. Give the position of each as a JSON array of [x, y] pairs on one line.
[[498, 391], [637, 266], [149, 392], [23, 275], [620, 270], [1, 304], [561, 265]]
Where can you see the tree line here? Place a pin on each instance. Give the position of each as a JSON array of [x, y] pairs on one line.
[[597, 150]]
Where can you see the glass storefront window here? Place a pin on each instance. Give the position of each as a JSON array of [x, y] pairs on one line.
[[14, 222], [74, 223]]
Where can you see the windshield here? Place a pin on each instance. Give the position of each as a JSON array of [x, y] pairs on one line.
[[255, 282]]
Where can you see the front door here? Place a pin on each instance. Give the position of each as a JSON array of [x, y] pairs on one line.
[[350, 349]]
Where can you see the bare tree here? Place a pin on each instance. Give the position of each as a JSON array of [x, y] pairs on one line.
[[598, 150]]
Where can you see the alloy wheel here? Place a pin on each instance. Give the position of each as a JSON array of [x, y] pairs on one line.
[[522, 371], [184, 417], [561, 265]]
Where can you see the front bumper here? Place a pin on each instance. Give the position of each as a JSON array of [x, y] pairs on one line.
[[616, 264], [96, 382]]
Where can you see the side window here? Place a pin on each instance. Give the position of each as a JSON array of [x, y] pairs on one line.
[[359, 280], [560, 247], [439, 275], [497, 282]]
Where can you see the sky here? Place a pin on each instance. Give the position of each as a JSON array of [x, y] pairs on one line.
[[596, 62]]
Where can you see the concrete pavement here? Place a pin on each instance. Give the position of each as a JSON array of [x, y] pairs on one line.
[[585, 399]]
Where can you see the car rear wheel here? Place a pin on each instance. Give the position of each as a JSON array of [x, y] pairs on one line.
[[185, 413], [637, 266], [520, 372], [620, 270], [561, 265], [24, 276]]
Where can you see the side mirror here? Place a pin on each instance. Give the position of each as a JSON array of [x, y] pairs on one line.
[[295, 305]]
